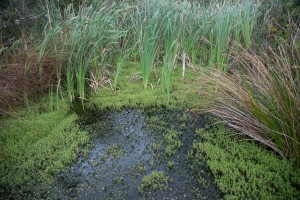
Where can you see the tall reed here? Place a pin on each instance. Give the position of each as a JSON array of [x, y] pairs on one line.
[[150, 31], [172, 30], [88, 35], [227, 20], [92, 37]]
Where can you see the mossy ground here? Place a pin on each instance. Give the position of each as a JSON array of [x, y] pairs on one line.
[[36, 145], [243, 169], [131, 94], [120, 177]]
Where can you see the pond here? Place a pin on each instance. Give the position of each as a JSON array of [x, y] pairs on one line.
[[138, 154]]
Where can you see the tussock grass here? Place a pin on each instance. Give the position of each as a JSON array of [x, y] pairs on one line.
[[261, 98]]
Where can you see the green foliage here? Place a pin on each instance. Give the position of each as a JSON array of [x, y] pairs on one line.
[[121, 61], [85, 42], [37, 145], [243, 170], [149, 38], [156, 147], [172, 30], [88, 39], [140, 169], [155, 180], [227, 20]]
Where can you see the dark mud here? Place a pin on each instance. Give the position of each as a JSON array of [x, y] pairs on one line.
[[131, 144]]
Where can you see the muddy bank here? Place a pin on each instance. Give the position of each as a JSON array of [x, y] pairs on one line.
[[129, 146], [132, 154]]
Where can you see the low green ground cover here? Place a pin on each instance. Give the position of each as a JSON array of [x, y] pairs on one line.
[[243, 169], [132, 94], [156, 181], [35, 145]]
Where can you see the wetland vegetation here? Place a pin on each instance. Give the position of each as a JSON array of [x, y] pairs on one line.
[[150, 99]]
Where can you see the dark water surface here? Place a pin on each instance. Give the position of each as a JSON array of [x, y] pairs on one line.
[[122, 154]]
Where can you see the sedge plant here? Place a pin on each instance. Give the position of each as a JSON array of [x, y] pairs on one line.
[[261, 98]]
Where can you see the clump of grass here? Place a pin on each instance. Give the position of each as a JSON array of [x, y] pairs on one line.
[[156, 181], [242, 169], [261, 98], [219, 38]]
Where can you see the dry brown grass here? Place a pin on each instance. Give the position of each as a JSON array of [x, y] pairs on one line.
[[260, 98], [23, 80]]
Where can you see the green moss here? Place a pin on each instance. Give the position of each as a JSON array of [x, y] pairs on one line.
[[156, 124], [172, 139], [155, 180], [140, 169], [38, 145], [156, 147], [243, 170], [115, 151], [202, 182], [170, 165], [132, 94]]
